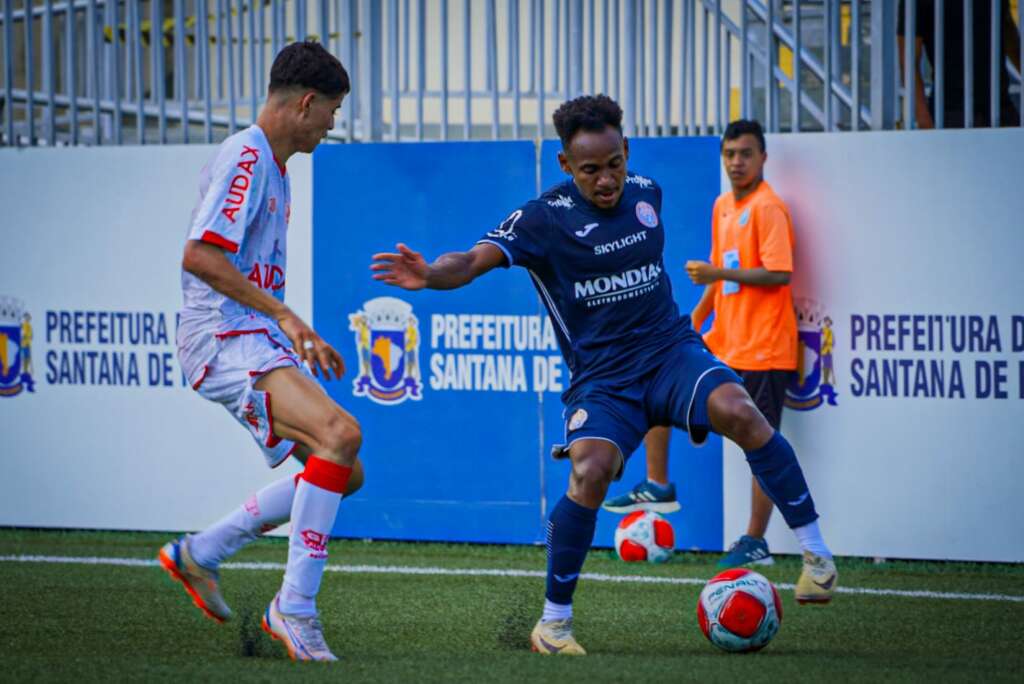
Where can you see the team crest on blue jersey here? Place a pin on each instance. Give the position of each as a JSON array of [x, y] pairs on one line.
[[815, 379], [646, 215], [15, 348], [387, 336]]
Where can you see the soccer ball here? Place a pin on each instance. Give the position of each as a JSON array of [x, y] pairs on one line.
[[645, 536], [739, 610]]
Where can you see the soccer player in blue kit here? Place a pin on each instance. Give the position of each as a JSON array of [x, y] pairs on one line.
[[593, 248]]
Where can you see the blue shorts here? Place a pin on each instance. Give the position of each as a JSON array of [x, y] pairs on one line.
[[674, 393]]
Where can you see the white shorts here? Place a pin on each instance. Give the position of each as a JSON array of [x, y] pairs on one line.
[[228, 378]]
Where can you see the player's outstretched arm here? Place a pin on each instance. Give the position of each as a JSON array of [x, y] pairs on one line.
[[410, 271], [208, 263]]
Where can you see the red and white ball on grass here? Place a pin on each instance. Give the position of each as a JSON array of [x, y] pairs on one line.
[[739, 610], [645, 536]]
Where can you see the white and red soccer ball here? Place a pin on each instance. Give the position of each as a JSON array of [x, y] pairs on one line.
[[645, 536], [739, 610]]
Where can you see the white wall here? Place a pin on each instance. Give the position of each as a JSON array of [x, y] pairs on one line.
[[102, 229], [897, 223]]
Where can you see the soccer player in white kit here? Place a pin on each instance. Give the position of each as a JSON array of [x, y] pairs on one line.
[[242, 347]]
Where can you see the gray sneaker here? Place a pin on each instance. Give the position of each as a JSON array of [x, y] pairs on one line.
[[645, 497], [202, 584], [303, 636], [747, 551]]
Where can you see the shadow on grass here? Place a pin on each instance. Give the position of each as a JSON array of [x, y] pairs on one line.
[[253, 642], [514, 631]]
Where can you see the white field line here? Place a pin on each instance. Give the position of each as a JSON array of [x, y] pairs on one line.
[[495, 572]]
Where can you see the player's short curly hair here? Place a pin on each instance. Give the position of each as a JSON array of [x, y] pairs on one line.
[[587, 113], [307, 64]]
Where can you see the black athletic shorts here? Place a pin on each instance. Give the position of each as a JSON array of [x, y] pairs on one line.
[[768, 390]]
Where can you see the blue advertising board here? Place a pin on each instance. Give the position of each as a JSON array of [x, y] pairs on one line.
[[458, 391]]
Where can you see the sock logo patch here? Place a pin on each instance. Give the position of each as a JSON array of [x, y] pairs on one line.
[[799, 500], [316, 542]]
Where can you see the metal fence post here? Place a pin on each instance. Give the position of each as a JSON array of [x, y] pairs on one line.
[[8, 74], [883, 84], [770, 115], [968, 64], [71, 26], [371, 68], [797, 67], [629, 74], [393, 67], [574, 51], [854, 66], [909, 63], [50, 75], [939, 80], [995, 64], [467, 65], [666, 78]]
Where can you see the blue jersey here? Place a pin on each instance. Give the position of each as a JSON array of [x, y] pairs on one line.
[[601, 276]]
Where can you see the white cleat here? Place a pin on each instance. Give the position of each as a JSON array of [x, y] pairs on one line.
[[302, 636]]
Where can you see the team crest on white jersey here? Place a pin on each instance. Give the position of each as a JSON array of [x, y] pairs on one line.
[[15, 348], [387, 337], [646, 215]]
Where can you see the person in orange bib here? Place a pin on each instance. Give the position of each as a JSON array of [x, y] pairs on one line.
[[754, 329]]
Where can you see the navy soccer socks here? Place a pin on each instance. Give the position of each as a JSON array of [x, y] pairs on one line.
[[779, 474], [570, 534]]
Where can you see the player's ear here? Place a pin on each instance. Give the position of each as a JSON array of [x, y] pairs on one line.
[[625, 147], [563, 161], [306, 102]]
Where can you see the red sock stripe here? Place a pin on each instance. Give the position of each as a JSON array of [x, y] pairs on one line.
[[326, 475]]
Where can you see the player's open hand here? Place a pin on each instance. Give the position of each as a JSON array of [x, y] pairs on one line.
[[320, 356], [701, 272], [405, 269]]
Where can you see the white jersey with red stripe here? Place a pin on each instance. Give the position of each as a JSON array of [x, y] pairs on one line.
[[244, 206]]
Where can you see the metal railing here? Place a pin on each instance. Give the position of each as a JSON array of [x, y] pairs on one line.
[[161, 71]]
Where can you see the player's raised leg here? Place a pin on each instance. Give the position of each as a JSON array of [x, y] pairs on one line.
[[195, 560], [262, 512], [569, 536], [303, 413], [773, 462]]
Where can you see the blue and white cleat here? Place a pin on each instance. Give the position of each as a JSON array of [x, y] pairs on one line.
[[747, 550], [302, 636], [646, 496], [202, 584]]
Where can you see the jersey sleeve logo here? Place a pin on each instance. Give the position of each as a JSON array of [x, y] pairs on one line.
[[563, 201], [506, 230], [640, 181], [240, 184]]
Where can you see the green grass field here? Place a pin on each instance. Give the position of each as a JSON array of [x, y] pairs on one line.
[[107, 622]]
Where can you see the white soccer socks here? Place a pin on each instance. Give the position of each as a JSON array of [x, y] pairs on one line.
[[262, 512], [313, 511]]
